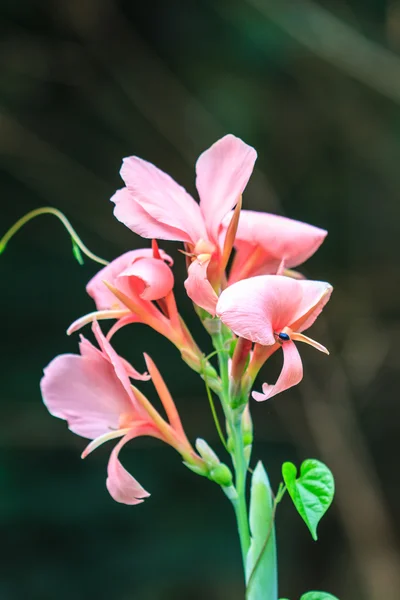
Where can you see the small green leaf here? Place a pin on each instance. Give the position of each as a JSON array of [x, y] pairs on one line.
[[318, 596], [312, 493], [77, 252], [261, 569]]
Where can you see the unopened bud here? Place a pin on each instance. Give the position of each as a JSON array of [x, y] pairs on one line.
[[240, 359], [207, 453], [221, 475], [247, 426], [247, 452]]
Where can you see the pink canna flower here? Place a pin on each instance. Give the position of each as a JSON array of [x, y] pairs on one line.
[[153, 205], [272, 311], [137, 288], [269, 244], [142, 276], [93, 393]]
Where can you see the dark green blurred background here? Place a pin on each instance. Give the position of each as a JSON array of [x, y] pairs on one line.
[[315, 87]]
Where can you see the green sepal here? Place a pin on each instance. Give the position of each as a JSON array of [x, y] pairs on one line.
[[195, 469], [318, 596], [312, 492], [261, 567]]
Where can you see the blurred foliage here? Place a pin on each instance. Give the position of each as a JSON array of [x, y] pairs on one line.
[[315, 88]]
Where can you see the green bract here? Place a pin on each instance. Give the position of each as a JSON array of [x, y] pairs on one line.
[[261, 571], [312, 493]]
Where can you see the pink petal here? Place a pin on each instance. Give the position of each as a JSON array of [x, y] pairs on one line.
[[85, 391], [165, 397], [97, 315], [146, 277], [121, 485], [150, 277], [258, 307], [123, 369], [315, 295], [255, 308], [222, 174], [167, 203], [129, 212], [122, 323], [198, 287], [291, 374], [279, 238]]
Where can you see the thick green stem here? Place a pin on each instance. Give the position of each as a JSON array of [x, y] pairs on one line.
[[234, 420], [240, 505]]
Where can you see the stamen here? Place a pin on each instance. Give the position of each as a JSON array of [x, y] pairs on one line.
[[299, 337], [101, 439]]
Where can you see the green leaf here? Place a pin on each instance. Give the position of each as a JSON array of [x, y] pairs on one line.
[[76, 251], [312, 493], [318, 596], [261, 568]]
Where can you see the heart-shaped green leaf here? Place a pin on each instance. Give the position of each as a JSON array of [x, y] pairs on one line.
[[312, 493], [318, 596]]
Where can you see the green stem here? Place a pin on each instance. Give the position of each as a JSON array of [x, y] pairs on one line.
[[240, 505], [235, 425]]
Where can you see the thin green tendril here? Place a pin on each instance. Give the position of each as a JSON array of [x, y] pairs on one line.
[[77, 244], [214, 412]]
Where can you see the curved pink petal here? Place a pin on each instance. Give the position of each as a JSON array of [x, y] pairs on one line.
[[121, 323], [255, 308], [129, 212], [258, 307], [147, 276], [121, 485], [97, 315], [275, 239], [222, 174], [315, 295], [151, 278], [165, 397], [198, 288], [85, 392], [167, 203], [291, 374], [122, 368]]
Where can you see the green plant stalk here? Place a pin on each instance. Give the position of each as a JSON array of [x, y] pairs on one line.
[[235, 424], [240, 504]]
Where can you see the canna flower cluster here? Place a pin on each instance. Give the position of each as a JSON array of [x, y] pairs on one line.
[[242, 282], [253, 309], [258, 306]]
